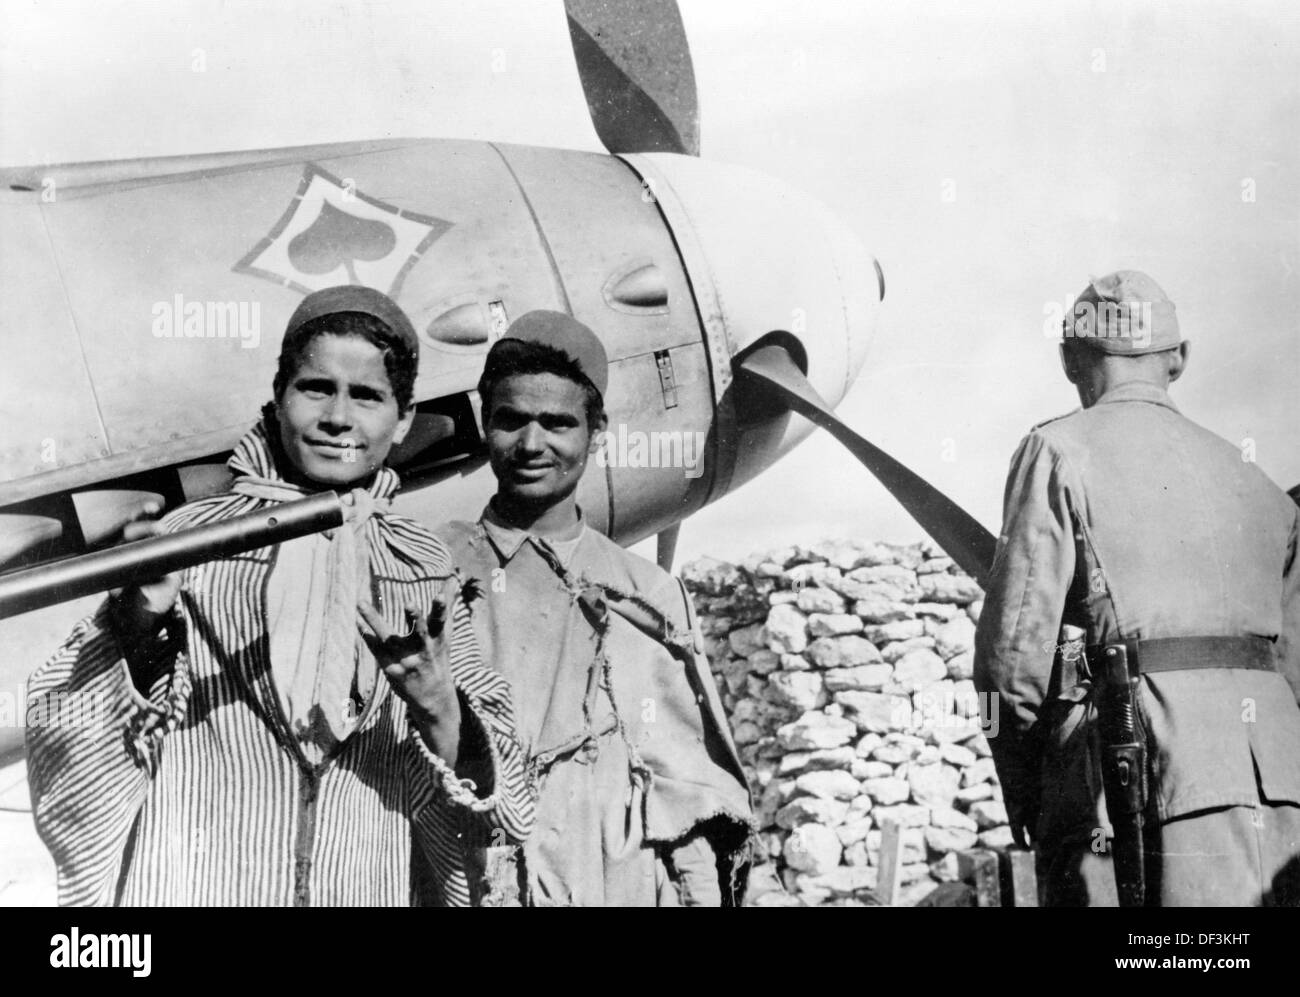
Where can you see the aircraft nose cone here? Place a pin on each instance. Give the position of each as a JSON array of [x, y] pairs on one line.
[[764, 258]]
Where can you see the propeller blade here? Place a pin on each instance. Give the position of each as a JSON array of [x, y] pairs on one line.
[[666, 546], [955, 530], [637, 74]]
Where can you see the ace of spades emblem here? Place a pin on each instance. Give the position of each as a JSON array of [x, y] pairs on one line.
[[332, 234]]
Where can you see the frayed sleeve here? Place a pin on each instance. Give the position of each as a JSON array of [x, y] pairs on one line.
[[452, 814]]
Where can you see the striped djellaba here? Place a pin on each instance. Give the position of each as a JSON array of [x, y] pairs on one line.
[[200, 794]]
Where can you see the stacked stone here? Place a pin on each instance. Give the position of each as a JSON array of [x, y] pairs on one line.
[[845, 670]]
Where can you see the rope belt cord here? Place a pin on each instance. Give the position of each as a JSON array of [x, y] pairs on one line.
[[1177, 654]]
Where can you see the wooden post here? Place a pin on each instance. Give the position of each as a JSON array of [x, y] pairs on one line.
[[889, 862], [1024, 879]]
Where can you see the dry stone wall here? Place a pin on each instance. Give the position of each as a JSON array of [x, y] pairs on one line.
[[845, 671]]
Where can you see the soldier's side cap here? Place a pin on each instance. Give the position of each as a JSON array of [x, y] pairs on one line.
[[1124, 313], [561, 332], [354, 298]]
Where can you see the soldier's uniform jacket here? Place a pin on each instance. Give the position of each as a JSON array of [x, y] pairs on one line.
[[1130, 521]]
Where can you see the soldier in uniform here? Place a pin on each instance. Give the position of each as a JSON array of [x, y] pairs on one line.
[[1129, 521]]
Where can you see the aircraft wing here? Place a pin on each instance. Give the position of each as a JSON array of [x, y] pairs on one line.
[[149, 298]]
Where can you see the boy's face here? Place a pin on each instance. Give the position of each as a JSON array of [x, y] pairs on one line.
[[538, 438], [338, 415]]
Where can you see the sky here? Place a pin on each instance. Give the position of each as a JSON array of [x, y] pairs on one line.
[[1078, 138]]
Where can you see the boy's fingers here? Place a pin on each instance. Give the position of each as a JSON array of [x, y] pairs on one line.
[[142, 523], [145, 514], [437, 617], [140, 529], [418, 622], [374, 621]]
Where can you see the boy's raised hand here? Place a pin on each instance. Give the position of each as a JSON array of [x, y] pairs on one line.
[[418, 667]]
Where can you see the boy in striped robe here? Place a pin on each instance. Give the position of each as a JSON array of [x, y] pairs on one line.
[[265, 739]]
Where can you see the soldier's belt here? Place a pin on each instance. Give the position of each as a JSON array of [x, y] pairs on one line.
[[1177, 654]]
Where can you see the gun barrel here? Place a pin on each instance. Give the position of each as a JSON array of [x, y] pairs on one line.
[[142, 560]]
